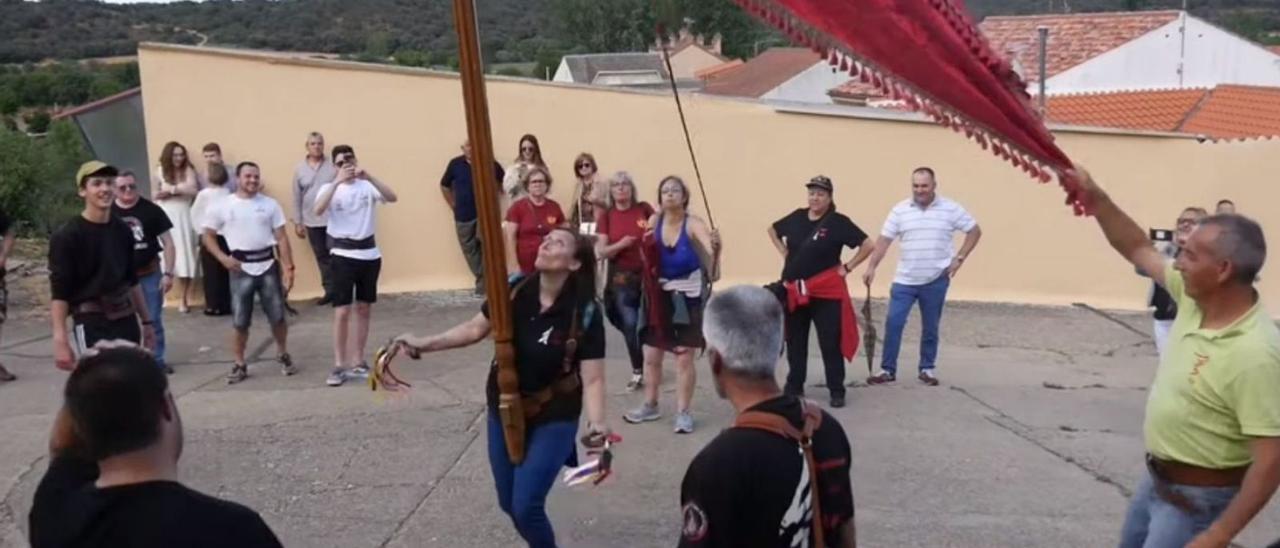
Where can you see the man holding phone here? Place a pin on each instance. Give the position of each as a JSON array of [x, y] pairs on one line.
[[1168, 243], [355, 261]]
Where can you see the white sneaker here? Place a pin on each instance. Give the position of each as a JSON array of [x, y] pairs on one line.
[[636, 382]]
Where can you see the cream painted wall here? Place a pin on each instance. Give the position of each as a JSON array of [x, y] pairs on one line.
[[407, 123], [690, 60]]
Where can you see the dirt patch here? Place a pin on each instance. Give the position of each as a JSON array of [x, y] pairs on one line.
[[28, 279]]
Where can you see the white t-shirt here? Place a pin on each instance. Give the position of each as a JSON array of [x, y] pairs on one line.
[[352, 216], [248, 224], [205, 201], [926, 233]]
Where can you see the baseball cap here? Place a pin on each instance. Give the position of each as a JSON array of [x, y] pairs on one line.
[[820, 181], [94, 167]]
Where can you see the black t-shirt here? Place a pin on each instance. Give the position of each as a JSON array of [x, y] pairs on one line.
[[458, 178], [539, 338], [746, 488], [147, 222], [90, 260], [69, 511], [1165, 307], [810, 251]]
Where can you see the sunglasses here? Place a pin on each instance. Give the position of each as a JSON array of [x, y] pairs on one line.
[[584, 164], [527, 149], [345, 161], [128, 188]]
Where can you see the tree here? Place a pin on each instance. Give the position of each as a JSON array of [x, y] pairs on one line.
[[606, 26], [37, 121], [37, 176]]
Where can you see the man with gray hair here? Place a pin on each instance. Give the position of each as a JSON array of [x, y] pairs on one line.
[[1212, 424], [753, 485]]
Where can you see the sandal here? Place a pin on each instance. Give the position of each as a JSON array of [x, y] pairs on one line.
[[238, 373]]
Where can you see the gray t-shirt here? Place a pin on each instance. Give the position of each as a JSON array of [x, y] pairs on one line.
[[306, 188]]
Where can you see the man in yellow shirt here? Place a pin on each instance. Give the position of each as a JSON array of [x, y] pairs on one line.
[[1213, 416]]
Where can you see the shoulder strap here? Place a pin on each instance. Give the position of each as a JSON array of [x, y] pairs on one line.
[[779, 425], [821, 223]]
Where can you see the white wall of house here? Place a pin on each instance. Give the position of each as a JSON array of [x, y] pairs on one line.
[[810, 86], [1212, 56], [562, 73]]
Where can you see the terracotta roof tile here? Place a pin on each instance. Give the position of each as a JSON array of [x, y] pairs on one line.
[[1234, 111], [855, 89], [763, 73], [717, 70], [1073, 39], [1162, 110]]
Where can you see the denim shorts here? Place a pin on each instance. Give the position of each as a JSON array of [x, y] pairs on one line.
[[270, 293]]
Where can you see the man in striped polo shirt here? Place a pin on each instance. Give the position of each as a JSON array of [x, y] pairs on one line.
[[926, 224]]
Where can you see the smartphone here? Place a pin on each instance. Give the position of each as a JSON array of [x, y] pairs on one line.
[[1160, 235]]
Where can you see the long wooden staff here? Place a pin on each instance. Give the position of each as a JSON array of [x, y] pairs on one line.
[[510, 410]]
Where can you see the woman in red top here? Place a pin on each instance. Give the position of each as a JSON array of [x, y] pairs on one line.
[[530, 219], [621, 228]]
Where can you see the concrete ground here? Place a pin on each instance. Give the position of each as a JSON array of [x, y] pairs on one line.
[[1034, 438]]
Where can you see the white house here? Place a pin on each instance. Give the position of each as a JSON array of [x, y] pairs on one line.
[[780, 74], [1099, 52], [612, 69]]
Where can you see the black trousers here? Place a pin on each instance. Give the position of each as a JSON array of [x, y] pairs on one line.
[[318, 237], [217, 281], [826, 315], [90, 329]]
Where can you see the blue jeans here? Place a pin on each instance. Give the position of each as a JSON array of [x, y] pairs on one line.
[[622, 304], [931, 296], [1153, 522], [523, 488], [151, 293]]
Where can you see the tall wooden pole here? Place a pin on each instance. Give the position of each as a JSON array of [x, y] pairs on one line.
[[489, 225]]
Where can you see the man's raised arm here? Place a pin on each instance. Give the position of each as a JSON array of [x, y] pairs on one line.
[[1124, 235]]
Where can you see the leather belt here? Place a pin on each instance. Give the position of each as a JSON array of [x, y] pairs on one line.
[[1179, 473], [149, 268], [348, 243], [254, 256], [565, 385]]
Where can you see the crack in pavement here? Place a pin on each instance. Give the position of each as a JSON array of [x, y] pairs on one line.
[[1021, 430], [440, 479], [1071, 360], [1114, 320]]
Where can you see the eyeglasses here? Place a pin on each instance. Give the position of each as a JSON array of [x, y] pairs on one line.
[[128, 188], [536, 181], [348, 160], [584, 164], [1190, 222]]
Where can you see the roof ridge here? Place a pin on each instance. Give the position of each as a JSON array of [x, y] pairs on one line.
[[1126, 91], [1083, 14], [1194, 110]]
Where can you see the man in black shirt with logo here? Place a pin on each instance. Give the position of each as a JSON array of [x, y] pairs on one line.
[[752, 486], [92, 275], [810, 240], [113, 467], [150, 226]]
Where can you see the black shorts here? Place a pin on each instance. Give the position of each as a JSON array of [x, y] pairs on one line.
[[90, 329], [354, 279]]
